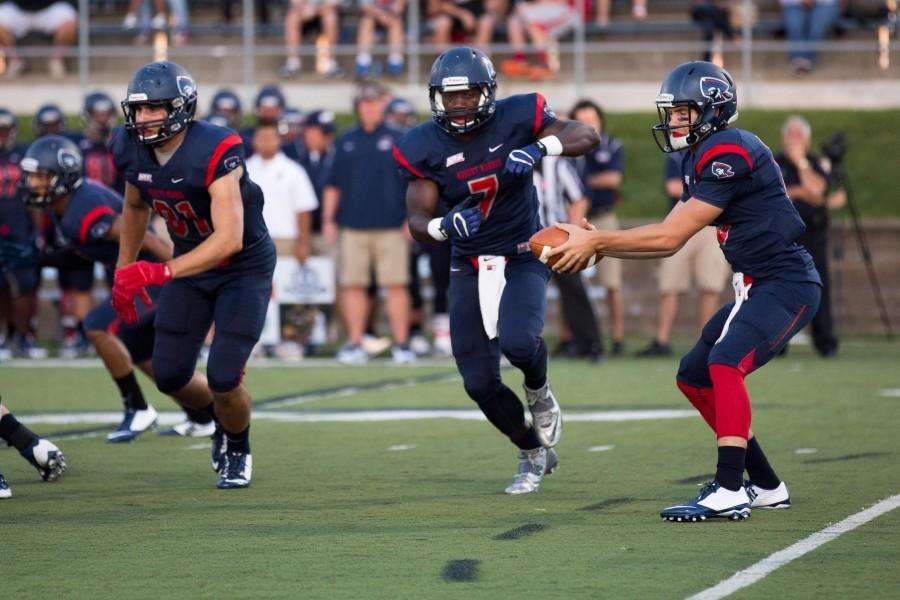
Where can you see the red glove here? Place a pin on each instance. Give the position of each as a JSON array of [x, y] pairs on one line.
[[132, 280]]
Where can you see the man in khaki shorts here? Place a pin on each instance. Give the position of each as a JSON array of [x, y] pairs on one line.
[[364, 212], [698, 264], [601, 170]]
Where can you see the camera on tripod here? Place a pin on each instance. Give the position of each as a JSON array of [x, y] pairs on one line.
[[835, 148]]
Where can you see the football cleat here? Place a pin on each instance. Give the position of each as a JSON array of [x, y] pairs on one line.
[[237, 468], [46, 458], [190, 429], [545, 415], [713, 502], [763, 498], [218, 447], [533, 465], [5, 492], [134, 424]]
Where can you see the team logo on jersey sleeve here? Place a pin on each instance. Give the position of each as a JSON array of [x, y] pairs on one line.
[[232, 162], [716, 90], [722, 170], [100, 230]]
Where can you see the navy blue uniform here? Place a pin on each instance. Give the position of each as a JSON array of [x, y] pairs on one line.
[[609, 155], [15, 221], [757, 231], [85, 225], [234, 295], [472, 171], [99, 164]]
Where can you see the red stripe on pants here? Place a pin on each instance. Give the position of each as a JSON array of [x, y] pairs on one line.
[[732, 402], [703, 399]]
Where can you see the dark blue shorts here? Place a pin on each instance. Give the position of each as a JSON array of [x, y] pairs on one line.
[[138, 337], [234, 298], [25, 280], [521, 318], [774, 312], [80, 278]]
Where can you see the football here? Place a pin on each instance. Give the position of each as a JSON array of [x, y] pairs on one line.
[[550, 237]]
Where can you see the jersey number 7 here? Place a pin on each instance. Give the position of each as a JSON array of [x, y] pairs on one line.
[[487, 186], [178, 225]]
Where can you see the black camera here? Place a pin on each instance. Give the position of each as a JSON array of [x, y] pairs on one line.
[[835, 148]]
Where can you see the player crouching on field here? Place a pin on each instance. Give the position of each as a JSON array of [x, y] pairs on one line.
[[731, 181], [477, 155]]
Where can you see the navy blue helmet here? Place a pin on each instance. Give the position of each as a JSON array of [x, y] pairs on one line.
[[402, 112], [49, 119], [456, 70], [226, 102], [99, 111], [9, 129], [703, 86], [57, 157], [219, 120], [164, 84], [271, 96]]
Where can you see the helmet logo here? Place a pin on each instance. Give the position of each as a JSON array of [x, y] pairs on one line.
[[68, 160], [186, 85], [715, 89]]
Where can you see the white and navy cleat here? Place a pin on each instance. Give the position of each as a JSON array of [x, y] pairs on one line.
[[237, 469], [218, 448], [713, 502], [46, 458], [533, 465], [133, 425], [545, 414], [763, 498], [5, 492], [190, 429]]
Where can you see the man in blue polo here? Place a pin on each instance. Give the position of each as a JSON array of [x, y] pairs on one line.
[[364, 211]]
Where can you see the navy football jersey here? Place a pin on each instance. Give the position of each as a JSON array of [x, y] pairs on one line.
[[99, 165], [759, 226], [86, 222], [473, 171], [178, 191], [15, 221]]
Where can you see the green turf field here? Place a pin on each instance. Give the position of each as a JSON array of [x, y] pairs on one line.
[[415, 509]]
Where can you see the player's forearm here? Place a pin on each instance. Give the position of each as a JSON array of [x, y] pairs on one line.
[[135, 220], [210, 254], [654, 238], [156, 246], [418, 228], [641, 255], [577, 138]]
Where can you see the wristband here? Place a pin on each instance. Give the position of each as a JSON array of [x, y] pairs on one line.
[[436, 231], [550, 146]]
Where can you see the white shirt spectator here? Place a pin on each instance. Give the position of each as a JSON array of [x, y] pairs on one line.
[[287, 191]]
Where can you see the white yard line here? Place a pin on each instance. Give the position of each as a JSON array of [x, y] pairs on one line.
[[755, 572], [357, 416]]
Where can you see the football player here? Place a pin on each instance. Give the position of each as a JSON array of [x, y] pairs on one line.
[[227, 103], [476, 156], [87, 218], [731, 181], [41, 453], [191, 173], [98, 114]]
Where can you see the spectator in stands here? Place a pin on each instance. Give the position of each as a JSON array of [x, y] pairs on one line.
[[290, 127], [52, 17], [638, 11], [714, 19], [698, 264], [458, 21], [299, 13], [227, 103], [389, 15], [601, 170], [369, 222], [139, 17], [806, 179], [807, 22], [563, 199], [19, 276], [543, 22]]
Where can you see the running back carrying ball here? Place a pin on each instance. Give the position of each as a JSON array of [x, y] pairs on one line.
[[550, 237]]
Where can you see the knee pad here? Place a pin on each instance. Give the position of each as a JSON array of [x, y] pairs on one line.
[[171, 373], [480, 386], [693, 369], [519, 347], [227, 362]]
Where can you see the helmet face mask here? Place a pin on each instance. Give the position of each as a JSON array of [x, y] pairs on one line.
[[459, 70], [98, 115], [160, 84], [710, 94], [51, 169]]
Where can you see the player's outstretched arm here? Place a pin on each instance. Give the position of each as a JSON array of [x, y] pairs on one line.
[[576, 138], [659, 239], [227, 212], [133, 226]]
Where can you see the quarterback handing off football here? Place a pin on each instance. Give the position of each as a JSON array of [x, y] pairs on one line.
[[551, 237]]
